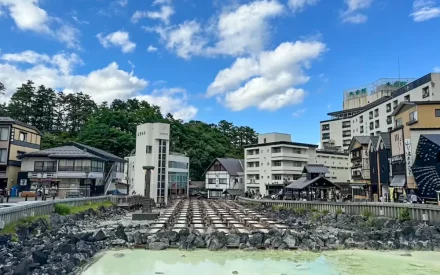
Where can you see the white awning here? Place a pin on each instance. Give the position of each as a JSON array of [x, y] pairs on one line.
[[398, 181]]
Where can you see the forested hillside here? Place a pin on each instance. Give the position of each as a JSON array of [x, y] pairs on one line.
[[112, 126]]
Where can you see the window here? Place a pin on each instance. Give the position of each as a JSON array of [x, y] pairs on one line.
[[346, 124], [376, 124], [66, 165], [398, 122], [277, 177], [376, 112], [78, 165], [412, 117], [97, 166], [437, 112], [325, 135], [389, 120], [297, 151], [361, 119], [20, 153], [149, 149], [389, 107], [395, 103], [390, 129], [425, 92], [276, 150], [3, 156], [22, 136], [371, 114], [371, 126], [325, 127], [217, 167], [3, 169], [406, 98], [264, 140], [346, 133], [222, 181], [277, 163], [4, 133], [361, 129], [45, 166]]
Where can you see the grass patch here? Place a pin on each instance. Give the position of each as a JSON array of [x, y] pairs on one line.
[[314, 210], [325, 212], [316, 216], [60, 208], [404, 214], [301, 211], [10, 228], [367, 213], [339, 211], [371, 222]]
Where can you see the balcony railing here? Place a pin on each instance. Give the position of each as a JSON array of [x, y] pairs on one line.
[[346, 125]]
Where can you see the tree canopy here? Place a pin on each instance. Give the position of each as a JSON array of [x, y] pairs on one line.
[[112, 127]]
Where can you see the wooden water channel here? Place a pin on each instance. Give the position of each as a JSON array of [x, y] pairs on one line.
[[222, 216]]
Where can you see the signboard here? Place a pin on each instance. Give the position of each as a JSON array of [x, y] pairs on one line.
[[23, 182], [408, 157], [397, 146]]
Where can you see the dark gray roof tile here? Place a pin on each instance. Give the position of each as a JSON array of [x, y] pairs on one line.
[[233, 166]]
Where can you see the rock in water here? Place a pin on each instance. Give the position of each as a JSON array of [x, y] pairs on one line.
[[407, 254], [157, 246], [120, 233], [118, 255], [99, 236], [234, 272]]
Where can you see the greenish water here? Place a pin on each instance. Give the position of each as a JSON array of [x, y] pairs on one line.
[[175, 262]]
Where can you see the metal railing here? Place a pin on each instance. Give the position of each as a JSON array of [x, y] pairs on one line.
[[22, 210], [419, 212], [108, 178]]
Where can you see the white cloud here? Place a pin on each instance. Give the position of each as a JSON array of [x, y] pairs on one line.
[[63, 61], [104, 84], [352, 14], [241, 31], [299, 112], [299, 5], [174, 101], [267, 81], [245, 30], [185, 39], [28, 16], [160, 2], [151, 49], [424, 10], [163, 14], [437, 69], [121, 3], [119, 39]]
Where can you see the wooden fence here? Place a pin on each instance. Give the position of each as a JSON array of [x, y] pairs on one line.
[[420, 212]]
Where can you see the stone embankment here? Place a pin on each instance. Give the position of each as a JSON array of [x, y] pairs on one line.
[[69, 242]]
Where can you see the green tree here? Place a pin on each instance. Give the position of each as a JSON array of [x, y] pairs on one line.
[[20, 106]]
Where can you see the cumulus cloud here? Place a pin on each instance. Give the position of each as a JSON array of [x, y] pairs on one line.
[[105, 84], [118, 39], [173, 101], [234, 32], [163, 14], [267, 80], [300, 5], [151, 49], [352, 14], [185, 39], [28, 16], [424, 10]]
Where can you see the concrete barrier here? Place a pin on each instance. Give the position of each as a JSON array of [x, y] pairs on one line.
[[29, 209], [420, 212]]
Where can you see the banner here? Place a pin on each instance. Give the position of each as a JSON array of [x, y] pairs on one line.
[[408, 157]]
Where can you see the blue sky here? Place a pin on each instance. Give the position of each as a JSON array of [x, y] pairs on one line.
[[274, 65]]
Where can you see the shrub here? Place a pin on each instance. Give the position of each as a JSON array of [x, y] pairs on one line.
[[62, 209], [371, 222], [325, 212], [316, 216], [339, 211], [301, 211], [367, 213], [404, 214], [314, 210]]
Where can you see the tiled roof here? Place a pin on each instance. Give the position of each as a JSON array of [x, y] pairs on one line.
[[233, 166], [233, 192], [386, 139], [98, 152], [303, 182], [374, 140], [11, 120], [364, 140], [63, 152], [316, 169]]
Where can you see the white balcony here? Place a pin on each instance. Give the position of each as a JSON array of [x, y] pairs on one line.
[[290, 155], [286, 168], [253, 156], [252, 169]]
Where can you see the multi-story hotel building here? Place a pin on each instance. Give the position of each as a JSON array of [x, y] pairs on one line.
[[275, 160], [171, 170], [337, 164], [16, 139], [367, 111]]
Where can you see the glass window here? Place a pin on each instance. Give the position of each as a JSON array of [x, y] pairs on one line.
[[86, 163], [3, 155], [4, 132], [437, 112], [22, 136], [78, 165]]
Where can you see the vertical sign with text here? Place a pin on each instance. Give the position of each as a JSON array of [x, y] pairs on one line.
[[408, 157]]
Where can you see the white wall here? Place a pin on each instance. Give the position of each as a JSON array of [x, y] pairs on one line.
[[338, 165]]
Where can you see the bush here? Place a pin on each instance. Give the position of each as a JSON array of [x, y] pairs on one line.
[[301, 211], [371, 222], [314, 210], [325, 212], [404, 214], [316, 216], [339, 211], [62, 209], [367, 213]]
